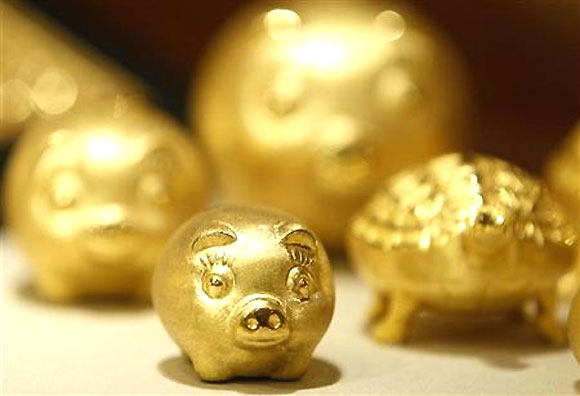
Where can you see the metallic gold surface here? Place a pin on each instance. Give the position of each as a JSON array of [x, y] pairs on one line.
[[92, 196], [563, 175], [308, 108], [574, 327], [245, 292], [468, 234], [45, 72], [563, 178]]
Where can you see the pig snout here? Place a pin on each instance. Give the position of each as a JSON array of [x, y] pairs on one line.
[[261, 321]]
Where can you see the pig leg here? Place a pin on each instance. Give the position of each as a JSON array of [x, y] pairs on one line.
[[294, 368], [391, 328], [378, 308], [210, 370], [546, 321], [54, 288]]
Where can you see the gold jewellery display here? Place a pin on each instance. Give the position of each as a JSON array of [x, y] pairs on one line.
[[327, 122]]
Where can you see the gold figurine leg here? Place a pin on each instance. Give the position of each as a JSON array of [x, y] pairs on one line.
[[294, 369], [392, 327], [53, 288], [379, 307], [546, 321]]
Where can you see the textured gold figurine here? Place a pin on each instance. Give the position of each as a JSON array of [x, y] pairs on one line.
[[45, 72], [464, 234], [93, 196], [245, 292], [308, 108], [574, 327]]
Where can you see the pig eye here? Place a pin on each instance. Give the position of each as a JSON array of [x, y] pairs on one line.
[[65, 189], [285, 93], [301, 246], [301, 283], [154, 188], [218, 282]]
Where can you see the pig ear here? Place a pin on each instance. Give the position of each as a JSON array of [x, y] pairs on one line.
[[299, 238], [220, 236]]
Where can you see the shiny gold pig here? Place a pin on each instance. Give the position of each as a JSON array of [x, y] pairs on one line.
[[307, 108], [469, 234], [92, 197], [245, 292]]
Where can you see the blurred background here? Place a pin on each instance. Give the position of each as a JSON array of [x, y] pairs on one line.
[[523, 56]]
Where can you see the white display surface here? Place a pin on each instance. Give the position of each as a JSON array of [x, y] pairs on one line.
[[107, 348]]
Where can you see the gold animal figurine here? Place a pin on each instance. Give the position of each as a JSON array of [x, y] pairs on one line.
[[92, 197], [245, 292], [469, 234], [307, 108]]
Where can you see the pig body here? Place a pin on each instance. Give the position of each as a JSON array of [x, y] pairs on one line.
[[244, 292]]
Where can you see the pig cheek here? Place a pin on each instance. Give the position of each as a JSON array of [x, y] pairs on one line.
[[307, 326]]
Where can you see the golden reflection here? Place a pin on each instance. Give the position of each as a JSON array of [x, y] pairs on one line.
[[255, 285], [463, 234], [310, 107], [92, 196]]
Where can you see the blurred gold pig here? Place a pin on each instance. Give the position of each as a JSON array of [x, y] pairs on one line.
[[245, 292], [93, 196], [467, 234], [308, 108]]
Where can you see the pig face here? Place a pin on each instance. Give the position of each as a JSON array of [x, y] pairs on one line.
[[105, 192], [316, 104], [263, 294]]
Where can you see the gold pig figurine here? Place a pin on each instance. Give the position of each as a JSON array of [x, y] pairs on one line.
[[92, 197], [307, 108], [470, 234], [245, 292]]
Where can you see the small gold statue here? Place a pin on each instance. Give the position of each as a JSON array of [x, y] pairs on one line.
[[463, 234], [245, 292], [574, 327], [92, 197], [308, 108]]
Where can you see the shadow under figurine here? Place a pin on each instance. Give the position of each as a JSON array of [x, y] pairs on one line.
[[464, 234], [93, 196], [245, 292]]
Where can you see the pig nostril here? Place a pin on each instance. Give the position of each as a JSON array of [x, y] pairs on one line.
[[252, 324], [274, 321]]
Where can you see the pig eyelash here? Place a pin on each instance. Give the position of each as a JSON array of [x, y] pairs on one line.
[[301, 254], [212, 259]]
